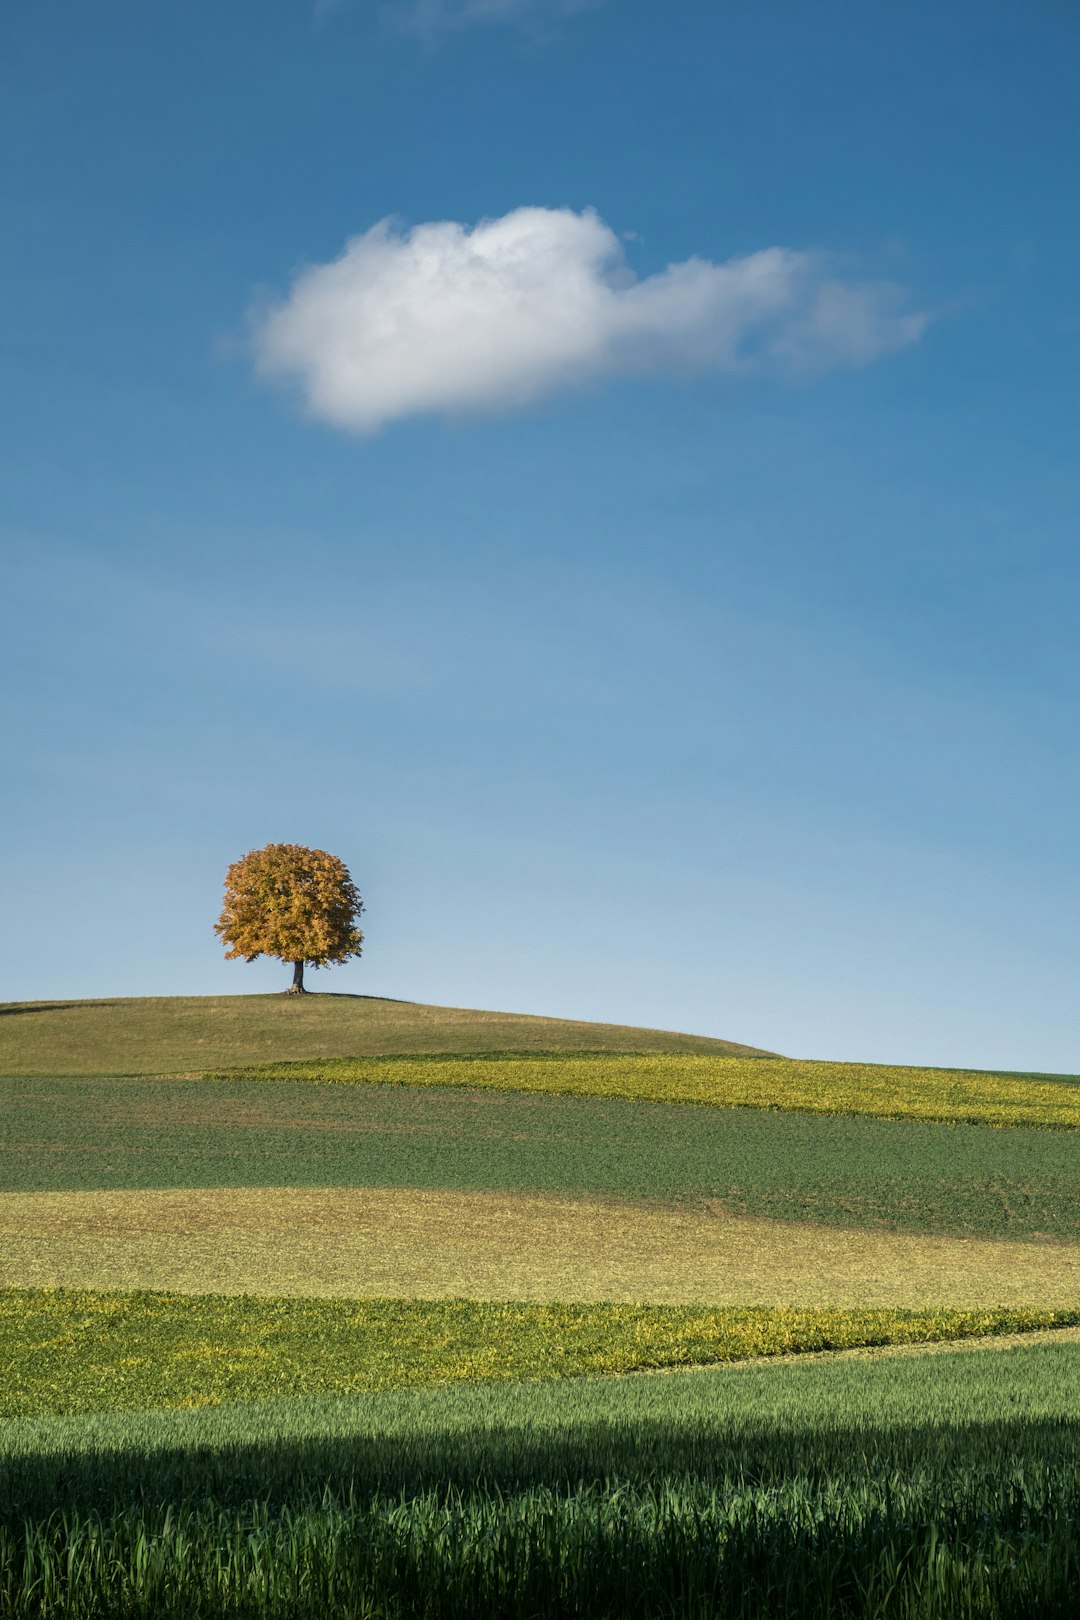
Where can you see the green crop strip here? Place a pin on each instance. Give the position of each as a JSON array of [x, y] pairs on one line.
[[725, 1082], [962, 1406], [69, 1351], [910, 1489], [985, 1546], [837, 1170]]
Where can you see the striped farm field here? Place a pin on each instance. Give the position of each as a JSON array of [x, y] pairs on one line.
[[904, 1489], [341, 1308], [85, 1135], [856, 1413]]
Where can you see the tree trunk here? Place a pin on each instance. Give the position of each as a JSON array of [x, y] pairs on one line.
[[297, 986]]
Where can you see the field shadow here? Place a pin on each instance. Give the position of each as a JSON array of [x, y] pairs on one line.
[[11, 1009], [498, 1459]]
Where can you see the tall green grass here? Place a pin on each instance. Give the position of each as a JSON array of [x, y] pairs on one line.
[[917, 1490], [986, 1547]]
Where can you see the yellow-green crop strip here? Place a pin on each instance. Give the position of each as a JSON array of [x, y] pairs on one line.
[[785, 1084], [73, 1351]]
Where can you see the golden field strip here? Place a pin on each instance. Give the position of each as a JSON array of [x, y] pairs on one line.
[[788, 1084], [395, 1243]]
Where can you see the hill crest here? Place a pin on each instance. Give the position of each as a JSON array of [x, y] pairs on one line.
[[169, 1034]]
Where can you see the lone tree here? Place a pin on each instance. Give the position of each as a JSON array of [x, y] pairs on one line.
[[297, 904]]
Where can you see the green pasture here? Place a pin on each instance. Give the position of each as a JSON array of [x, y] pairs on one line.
[[170, 1034], [70, 1351], [906, 1489], [840, 1170]]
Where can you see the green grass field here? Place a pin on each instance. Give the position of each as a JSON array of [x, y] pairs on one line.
[[851, 1415], [915, 1488], [378, 1218], [844, 1170]]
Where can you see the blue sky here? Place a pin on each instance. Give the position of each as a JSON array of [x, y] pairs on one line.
[[693, 647]]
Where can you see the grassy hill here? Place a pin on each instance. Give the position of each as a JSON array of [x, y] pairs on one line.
[[174, 1034], [305, 1241]]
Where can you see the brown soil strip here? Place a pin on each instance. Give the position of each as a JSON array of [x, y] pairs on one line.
[[359, 1242]]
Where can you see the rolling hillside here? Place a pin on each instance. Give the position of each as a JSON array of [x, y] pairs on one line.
[[339, 1248], [171, 1034]]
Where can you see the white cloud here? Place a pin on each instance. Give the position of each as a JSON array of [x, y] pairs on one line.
[[445, 318], [429, 18], [434, 16]]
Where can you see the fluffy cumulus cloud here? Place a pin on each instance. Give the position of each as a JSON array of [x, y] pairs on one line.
[[445, 318]]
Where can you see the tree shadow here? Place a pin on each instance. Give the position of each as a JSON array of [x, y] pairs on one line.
[[11, 1009]]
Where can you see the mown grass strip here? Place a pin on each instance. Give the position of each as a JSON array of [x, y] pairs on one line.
[[74, 1351], [786, 1084]]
